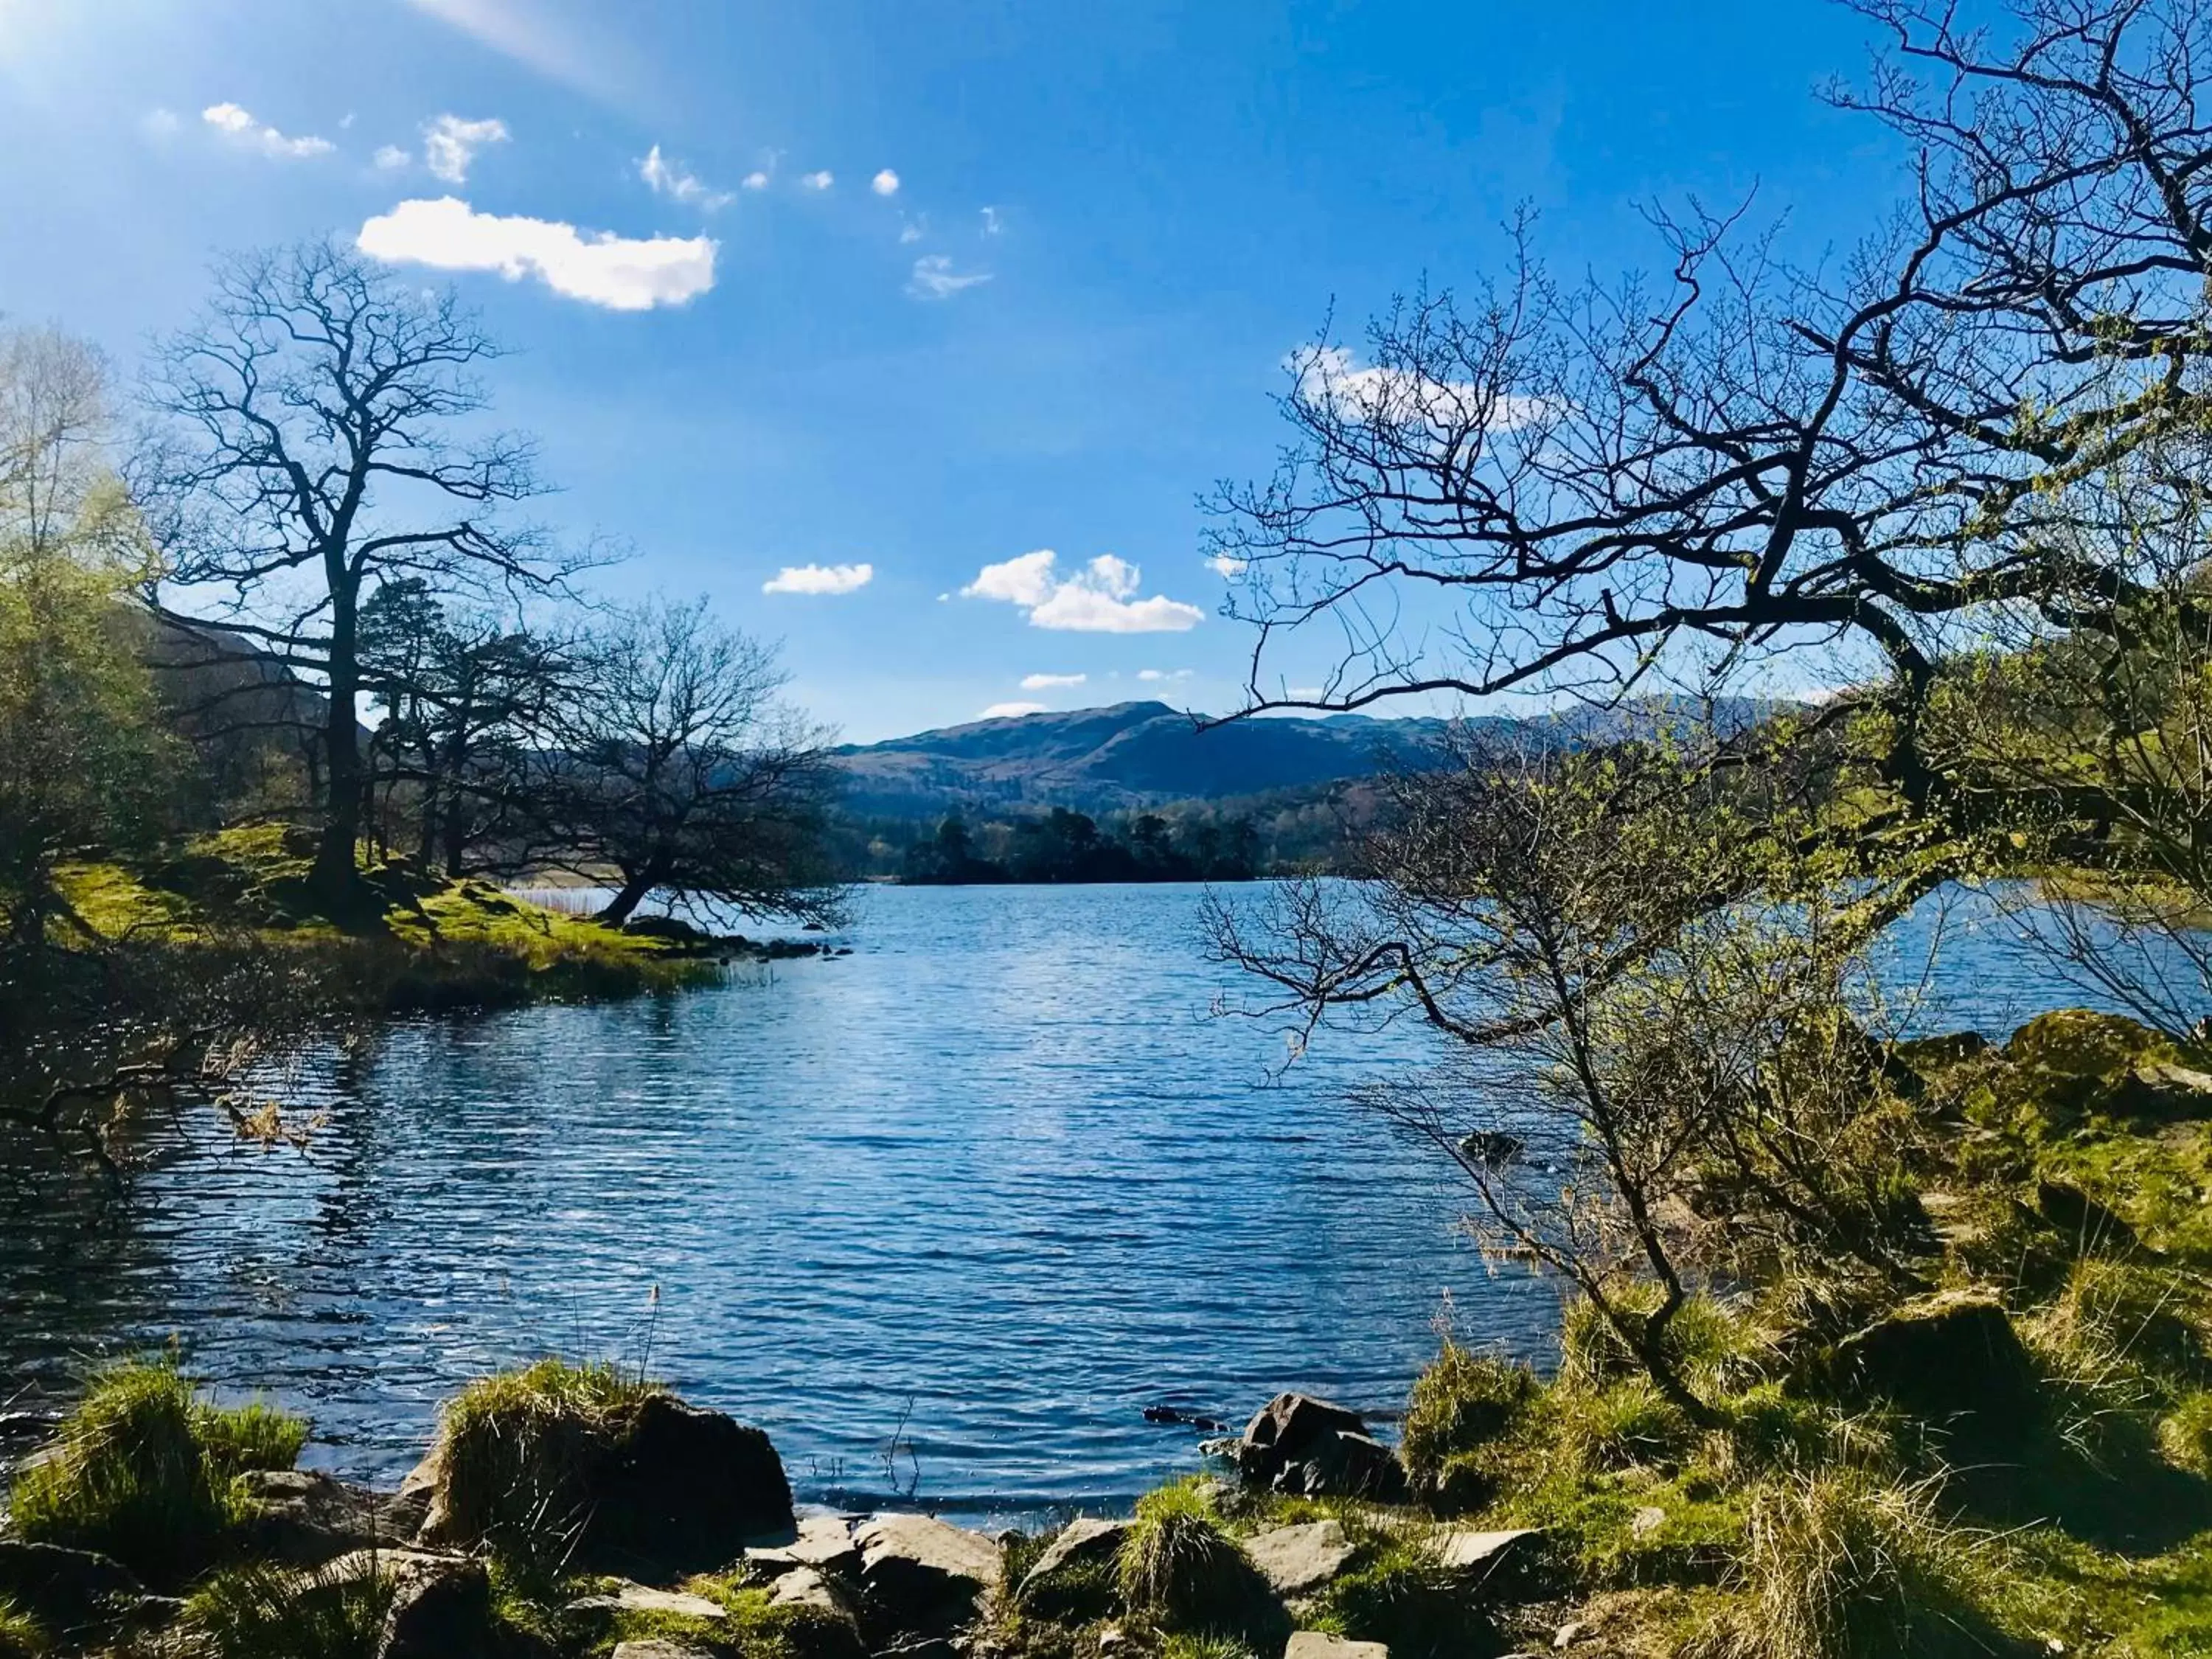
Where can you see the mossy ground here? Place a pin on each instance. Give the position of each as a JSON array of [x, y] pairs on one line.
[[421, 942]]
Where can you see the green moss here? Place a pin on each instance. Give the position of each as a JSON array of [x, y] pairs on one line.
[[142, 1471], [513, 1449]]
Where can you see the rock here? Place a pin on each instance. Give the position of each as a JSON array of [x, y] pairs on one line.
[[1297, 1444], [2163, 1089], [1478, 1554], [2081, 1042], [824, 1542], [1303, 1560], [660, 1647], [1319, 1644], [1647, 1521], [683, 1491], [2090, 1226], [642, 1598], [1953, 1360], [303, 1517], [823, 1612], [925, 1577], [806, 1586], [1493, 1149], [1073, 1578], [440, 1611], [70, 1592], [1569, 1633], [674, 929], [1935, 1054]]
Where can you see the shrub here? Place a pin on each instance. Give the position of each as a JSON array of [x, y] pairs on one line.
[[1628, 1425], [1840, 1567], [267, 1612], [1462, 1401], [141, 1471], [1403, 1598], [1181, 1570], [513, 1449], [1706, 1343]]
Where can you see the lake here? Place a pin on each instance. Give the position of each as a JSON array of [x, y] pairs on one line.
[[993, 1185]]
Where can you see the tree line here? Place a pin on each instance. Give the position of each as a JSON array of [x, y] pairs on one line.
[[1064, 846]]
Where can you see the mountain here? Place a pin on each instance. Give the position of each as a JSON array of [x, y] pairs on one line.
[[1146, 754]]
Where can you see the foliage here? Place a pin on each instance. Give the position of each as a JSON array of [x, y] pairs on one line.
[[142, 1471], [20, 1635], [1065, 846]]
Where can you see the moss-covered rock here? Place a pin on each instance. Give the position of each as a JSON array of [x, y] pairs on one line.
[[1953, 1362]]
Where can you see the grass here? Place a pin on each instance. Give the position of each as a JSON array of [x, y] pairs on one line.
[[267, 1612], [20, 1635], [1180, 1571], [1399, 1595], [144, 1471], [515, 1448], [1462, 1402]]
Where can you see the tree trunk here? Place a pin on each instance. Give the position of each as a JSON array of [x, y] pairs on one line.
[[336, 876], [634, 889]]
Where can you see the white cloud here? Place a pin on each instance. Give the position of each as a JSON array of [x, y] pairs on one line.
[[450, 144], [666, 177], [934, 278], [1306, 693], [1099, 599], [911, 231], [1163, 673], [820, 579], [159, 123], [1007, 711], [1222, 565], [820, 180], [621, 273], [885, 183], [754, 180], [390, 158], [1330, 379], [238, 123], [1051, 682], [990, 222]]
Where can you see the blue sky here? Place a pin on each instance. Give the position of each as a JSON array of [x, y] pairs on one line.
[[928, 287]]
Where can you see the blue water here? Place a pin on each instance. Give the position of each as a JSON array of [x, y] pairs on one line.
[[999, 1175]]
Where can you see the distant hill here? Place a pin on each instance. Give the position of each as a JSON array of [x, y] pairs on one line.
[[1146, 754]]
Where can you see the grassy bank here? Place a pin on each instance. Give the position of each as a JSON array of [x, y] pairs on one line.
[[420, 943]]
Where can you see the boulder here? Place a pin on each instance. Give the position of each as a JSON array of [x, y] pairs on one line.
[[824, 1542], [1074, 1577], [1319, 1644], [681, 1490], [1477, 1555], [2163, 1089], [2081, 1042], [1296, 1443], [2091, 1227], [660, 1647], [822, 1616], [69, 1592], [925, 1577], [644, 1598], [1954, 1361], [1301, 1561], [441, 1609], [304, 1517]]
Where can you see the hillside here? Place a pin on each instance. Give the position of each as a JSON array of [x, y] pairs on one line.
[[1146, 754]]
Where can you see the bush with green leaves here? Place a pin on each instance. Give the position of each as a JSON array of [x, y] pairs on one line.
[[144, 1471]]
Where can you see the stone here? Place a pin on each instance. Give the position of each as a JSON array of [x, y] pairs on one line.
[[1481, 1553], [1073, 1578], [828, 1624], [2163, 1089], [807, 1587], [2089, 1227], [1953, 1360], [1315, 1448], [660, 1647], [440, 1612], [1302, 1560], [643, 1598], [1493, 1149], [1569, 1633], [303, 1517], [824, 1542], [923, 1576], [1319, 1644], [1647, 1521], [70, 1592]]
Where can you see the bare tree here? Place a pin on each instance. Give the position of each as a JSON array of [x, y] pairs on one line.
[[317, 442], [676, 768], [1587, 488]]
